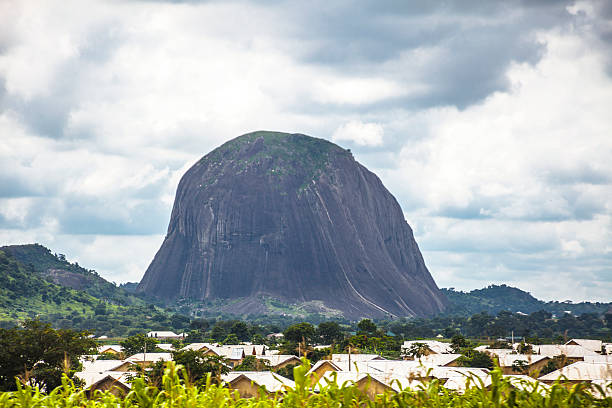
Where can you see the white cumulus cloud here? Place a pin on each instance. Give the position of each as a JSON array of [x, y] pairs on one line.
[[363, 134]]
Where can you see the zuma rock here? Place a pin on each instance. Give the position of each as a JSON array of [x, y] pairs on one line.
[[290, 217]]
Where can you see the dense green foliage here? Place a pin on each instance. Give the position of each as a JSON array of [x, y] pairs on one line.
[[40, 354], [496, 298], [538, 327], [26, 294], [139, 343], [71, 275], [195, 365], [177, 391]]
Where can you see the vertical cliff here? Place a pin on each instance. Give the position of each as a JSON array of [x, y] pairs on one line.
[[295, 218]]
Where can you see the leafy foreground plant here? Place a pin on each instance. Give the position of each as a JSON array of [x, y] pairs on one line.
[[177, 392]]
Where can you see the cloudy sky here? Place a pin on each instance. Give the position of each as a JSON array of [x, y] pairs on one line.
[[491, 122]]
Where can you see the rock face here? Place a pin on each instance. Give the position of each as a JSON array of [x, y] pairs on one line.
[[295, 218]]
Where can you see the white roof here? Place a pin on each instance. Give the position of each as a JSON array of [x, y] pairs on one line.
[[356, 357], [593, 345], [434, 345], [101, 365], [498, 352], [162, 334], [319, 363], [115, 347], [507, 360], [598, 359], [165, 346], [439, 359], [271, 381], [522, 382], [342, 378], [277, 359], [552, 350], [235, 352], [581, 371], [196, 346], [91, 378], [152, 357], [415, 369]]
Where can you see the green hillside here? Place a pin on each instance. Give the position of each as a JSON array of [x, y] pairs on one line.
[[25, 293], [496, 298], [56, 269]]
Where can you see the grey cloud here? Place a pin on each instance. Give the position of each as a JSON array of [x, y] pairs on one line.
[[479, 40]]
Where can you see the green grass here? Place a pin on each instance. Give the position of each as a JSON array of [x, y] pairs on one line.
[[176, 392]]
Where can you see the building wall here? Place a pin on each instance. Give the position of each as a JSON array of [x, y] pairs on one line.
[[245, 387], [372, 388]]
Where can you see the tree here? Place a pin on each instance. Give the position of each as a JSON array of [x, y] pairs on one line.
[[39, 354], [252, 363], [258, 339], [241, 330], [218, 333], [231, 339], [524, 348], [199, 324], [329, 332], [366, 326], [473, 358], [136, 344], [459, 342], [194, 363], [418, 350], [520, 366], [299, 332]]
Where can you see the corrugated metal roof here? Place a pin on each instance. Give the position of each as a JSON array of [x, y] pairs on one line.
[[571, 351], [92, 378], [277, 359], [507, 360], [152, 357], [356, 357], [271, 381], [102, 365], [581, 371], [438, 347], [593, 345]]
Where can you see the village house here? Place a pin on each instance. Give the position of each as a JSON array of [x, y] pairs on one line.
[[278, 361], [147, 359], [166, 335], [580, 372], [530, 364], [571, 353], [250, 384], [111, 349], [117, 382], [369, 384], [433, 347], [100, 366], [441, 360], [593, 345]]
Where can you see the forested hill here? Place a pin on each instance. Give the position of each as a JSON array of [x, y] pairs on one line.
[[26, 292], [54, 268], [496, 298]]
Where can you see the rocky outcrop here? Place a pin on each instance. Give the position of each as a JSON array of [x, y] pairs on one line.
[[294, 218]]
